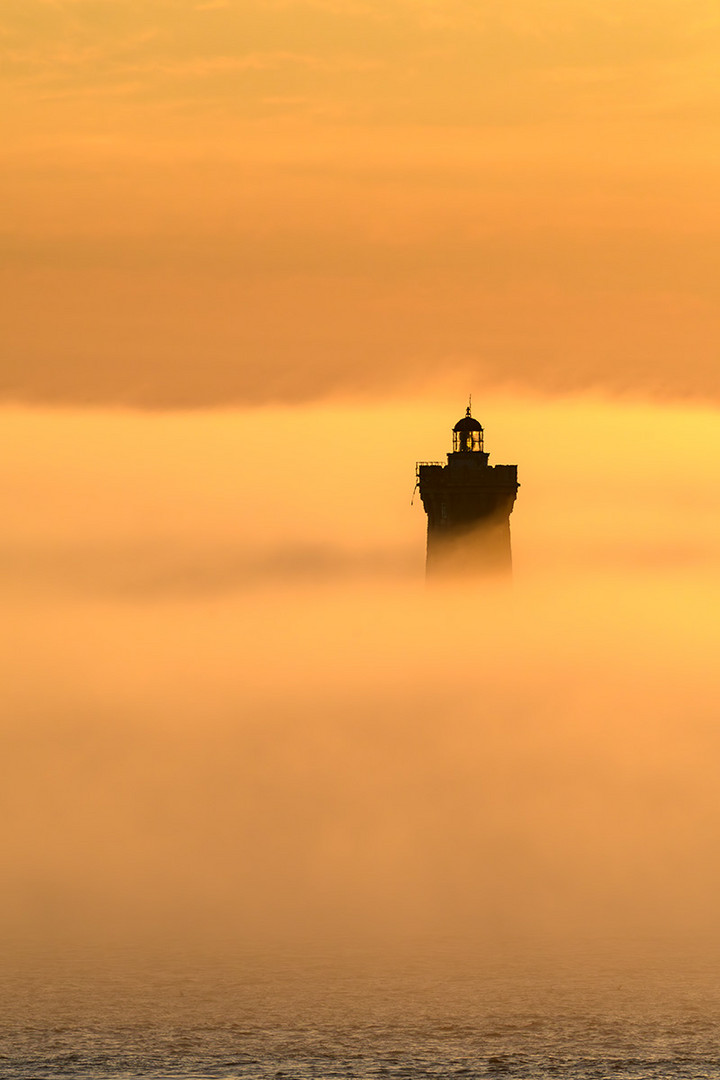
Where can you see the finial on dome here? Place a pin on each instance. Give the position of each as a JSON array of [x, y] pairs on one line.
[[469, 407]]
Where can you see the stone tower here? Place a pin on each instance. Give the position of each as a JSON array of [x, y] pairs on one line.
[[468, 505]]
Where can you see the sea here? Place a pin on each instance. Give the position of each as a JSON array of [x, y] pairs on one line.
[[422, 1014]]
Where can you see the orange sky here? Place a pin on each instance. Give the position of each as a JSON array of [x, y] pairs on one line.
[[229, 702], [233, 201]]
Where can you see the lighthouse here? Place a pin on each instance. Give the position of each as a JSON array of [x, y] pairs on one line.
[[468, 505]]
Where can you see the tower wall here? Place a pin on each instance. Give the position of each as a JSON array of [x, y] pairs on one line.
[[468, 505]]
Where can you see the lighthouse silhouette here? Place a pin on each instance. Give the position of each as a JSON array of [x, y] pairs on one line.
[[468, 505]]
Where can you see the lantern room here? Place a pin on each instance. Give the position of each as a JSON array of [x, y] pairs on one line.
[[468, 435]]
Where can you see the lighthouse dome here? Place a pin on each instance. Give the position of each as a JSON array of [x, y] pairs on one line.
[[468, 423]]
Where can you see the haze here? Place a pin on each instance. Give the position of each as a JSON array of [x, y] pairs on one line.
[[255, 256], [234, 713]]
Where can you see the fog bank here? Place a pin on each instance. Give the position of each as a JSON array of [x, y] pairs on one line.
[[334, 753]]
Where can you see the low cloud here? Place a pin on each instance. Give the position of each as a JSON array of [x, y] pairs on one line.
[[234, 714]]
